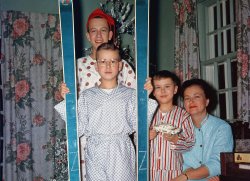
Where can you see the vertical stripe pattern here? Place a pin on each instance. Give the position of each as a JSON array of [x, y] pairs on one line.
[[166, 157]]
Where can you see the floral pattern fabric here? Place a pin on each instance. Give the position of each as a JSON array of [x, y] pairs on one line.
[[186, 39], [243, 53], [34, 136]]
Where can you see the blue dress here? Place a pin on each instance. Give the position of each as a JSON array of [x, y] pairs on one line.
[[213, 137]]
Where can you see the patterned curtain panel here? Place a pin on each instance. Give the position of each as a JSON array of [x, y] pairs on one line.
[[34, 136], [186, 39], [243, 53]]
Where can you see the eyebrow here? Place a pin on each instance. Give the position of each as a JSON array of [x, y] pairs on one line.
[[100, 28]]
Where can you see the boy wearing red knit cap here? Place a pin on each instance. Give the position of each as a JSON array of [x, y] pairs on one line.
[[100, 29]]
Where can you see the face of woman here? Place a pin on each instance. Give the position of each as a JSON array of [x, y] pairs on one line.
[[195, 101]]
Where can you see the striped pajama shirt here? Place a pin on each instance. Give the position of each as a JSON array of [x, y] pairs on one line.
[[166, 157]]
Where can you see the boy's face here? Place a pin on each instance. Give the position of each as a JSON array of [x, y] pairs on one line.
[[164, 90], [98, 32], [108, 64]]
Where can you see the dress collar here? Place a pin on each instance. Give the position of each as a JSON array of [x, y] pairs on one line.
[[204, 120]]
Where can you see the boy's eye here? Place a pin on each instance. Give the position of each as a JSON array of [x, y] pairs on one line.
[[102, 62], [113, 62], [104, 30]]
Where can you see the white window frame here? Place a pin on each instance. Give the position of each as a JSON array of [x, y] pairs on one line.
[[210, 62]]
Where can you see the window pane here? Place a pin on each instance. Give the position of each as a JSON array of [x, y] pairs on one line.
[[1, 153], [221, 15], [222, 43], [222, 104], [1, 125], [221, 76], [234, 18], [0, 70], [1, 100], [229, 47], [215, 17], [216, 45], [235, 33], [227, 12], [235, 104], [234, 73]]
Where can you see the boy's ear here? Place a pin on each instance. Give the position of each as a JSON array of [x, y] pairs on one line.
[[96, 67], [87, 36], [120, 65], [110, 35]]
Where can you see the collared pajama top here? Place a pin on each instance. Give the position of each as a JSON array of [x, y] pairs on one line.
[[166, 157]]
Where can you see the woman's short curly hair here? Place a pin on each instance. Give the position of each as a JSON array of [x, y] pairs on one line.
[[209, 91]]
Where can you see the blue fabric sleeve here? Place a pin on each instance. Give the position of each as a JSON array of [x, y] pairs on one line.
[[223, 143]]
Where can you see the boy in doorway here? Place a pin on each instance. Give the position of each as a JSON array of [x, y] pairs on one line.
[[106, 117], [100, 29]]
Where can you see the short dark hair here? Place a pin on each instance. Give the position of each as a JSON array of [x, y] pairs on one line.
[[209, 91], [167, 74], [108, 46]]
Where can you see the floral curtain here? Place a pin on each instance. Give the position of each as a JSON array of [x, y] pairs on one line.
[[34, 136], [186, 39], [243, 53]]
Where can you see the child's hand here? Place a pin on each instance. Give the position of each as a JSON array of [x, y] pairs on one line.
[[148, 85], [63, 89], [152, 133], [171, 137], [214, 178]]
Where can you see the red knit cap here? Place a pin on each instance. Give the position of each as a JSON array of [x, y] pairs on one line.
[[99, 13]]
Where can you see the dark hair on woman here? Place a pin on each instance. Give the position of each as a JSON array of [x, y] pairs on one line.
[[108, 46], [167, 74], [209, 91]]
